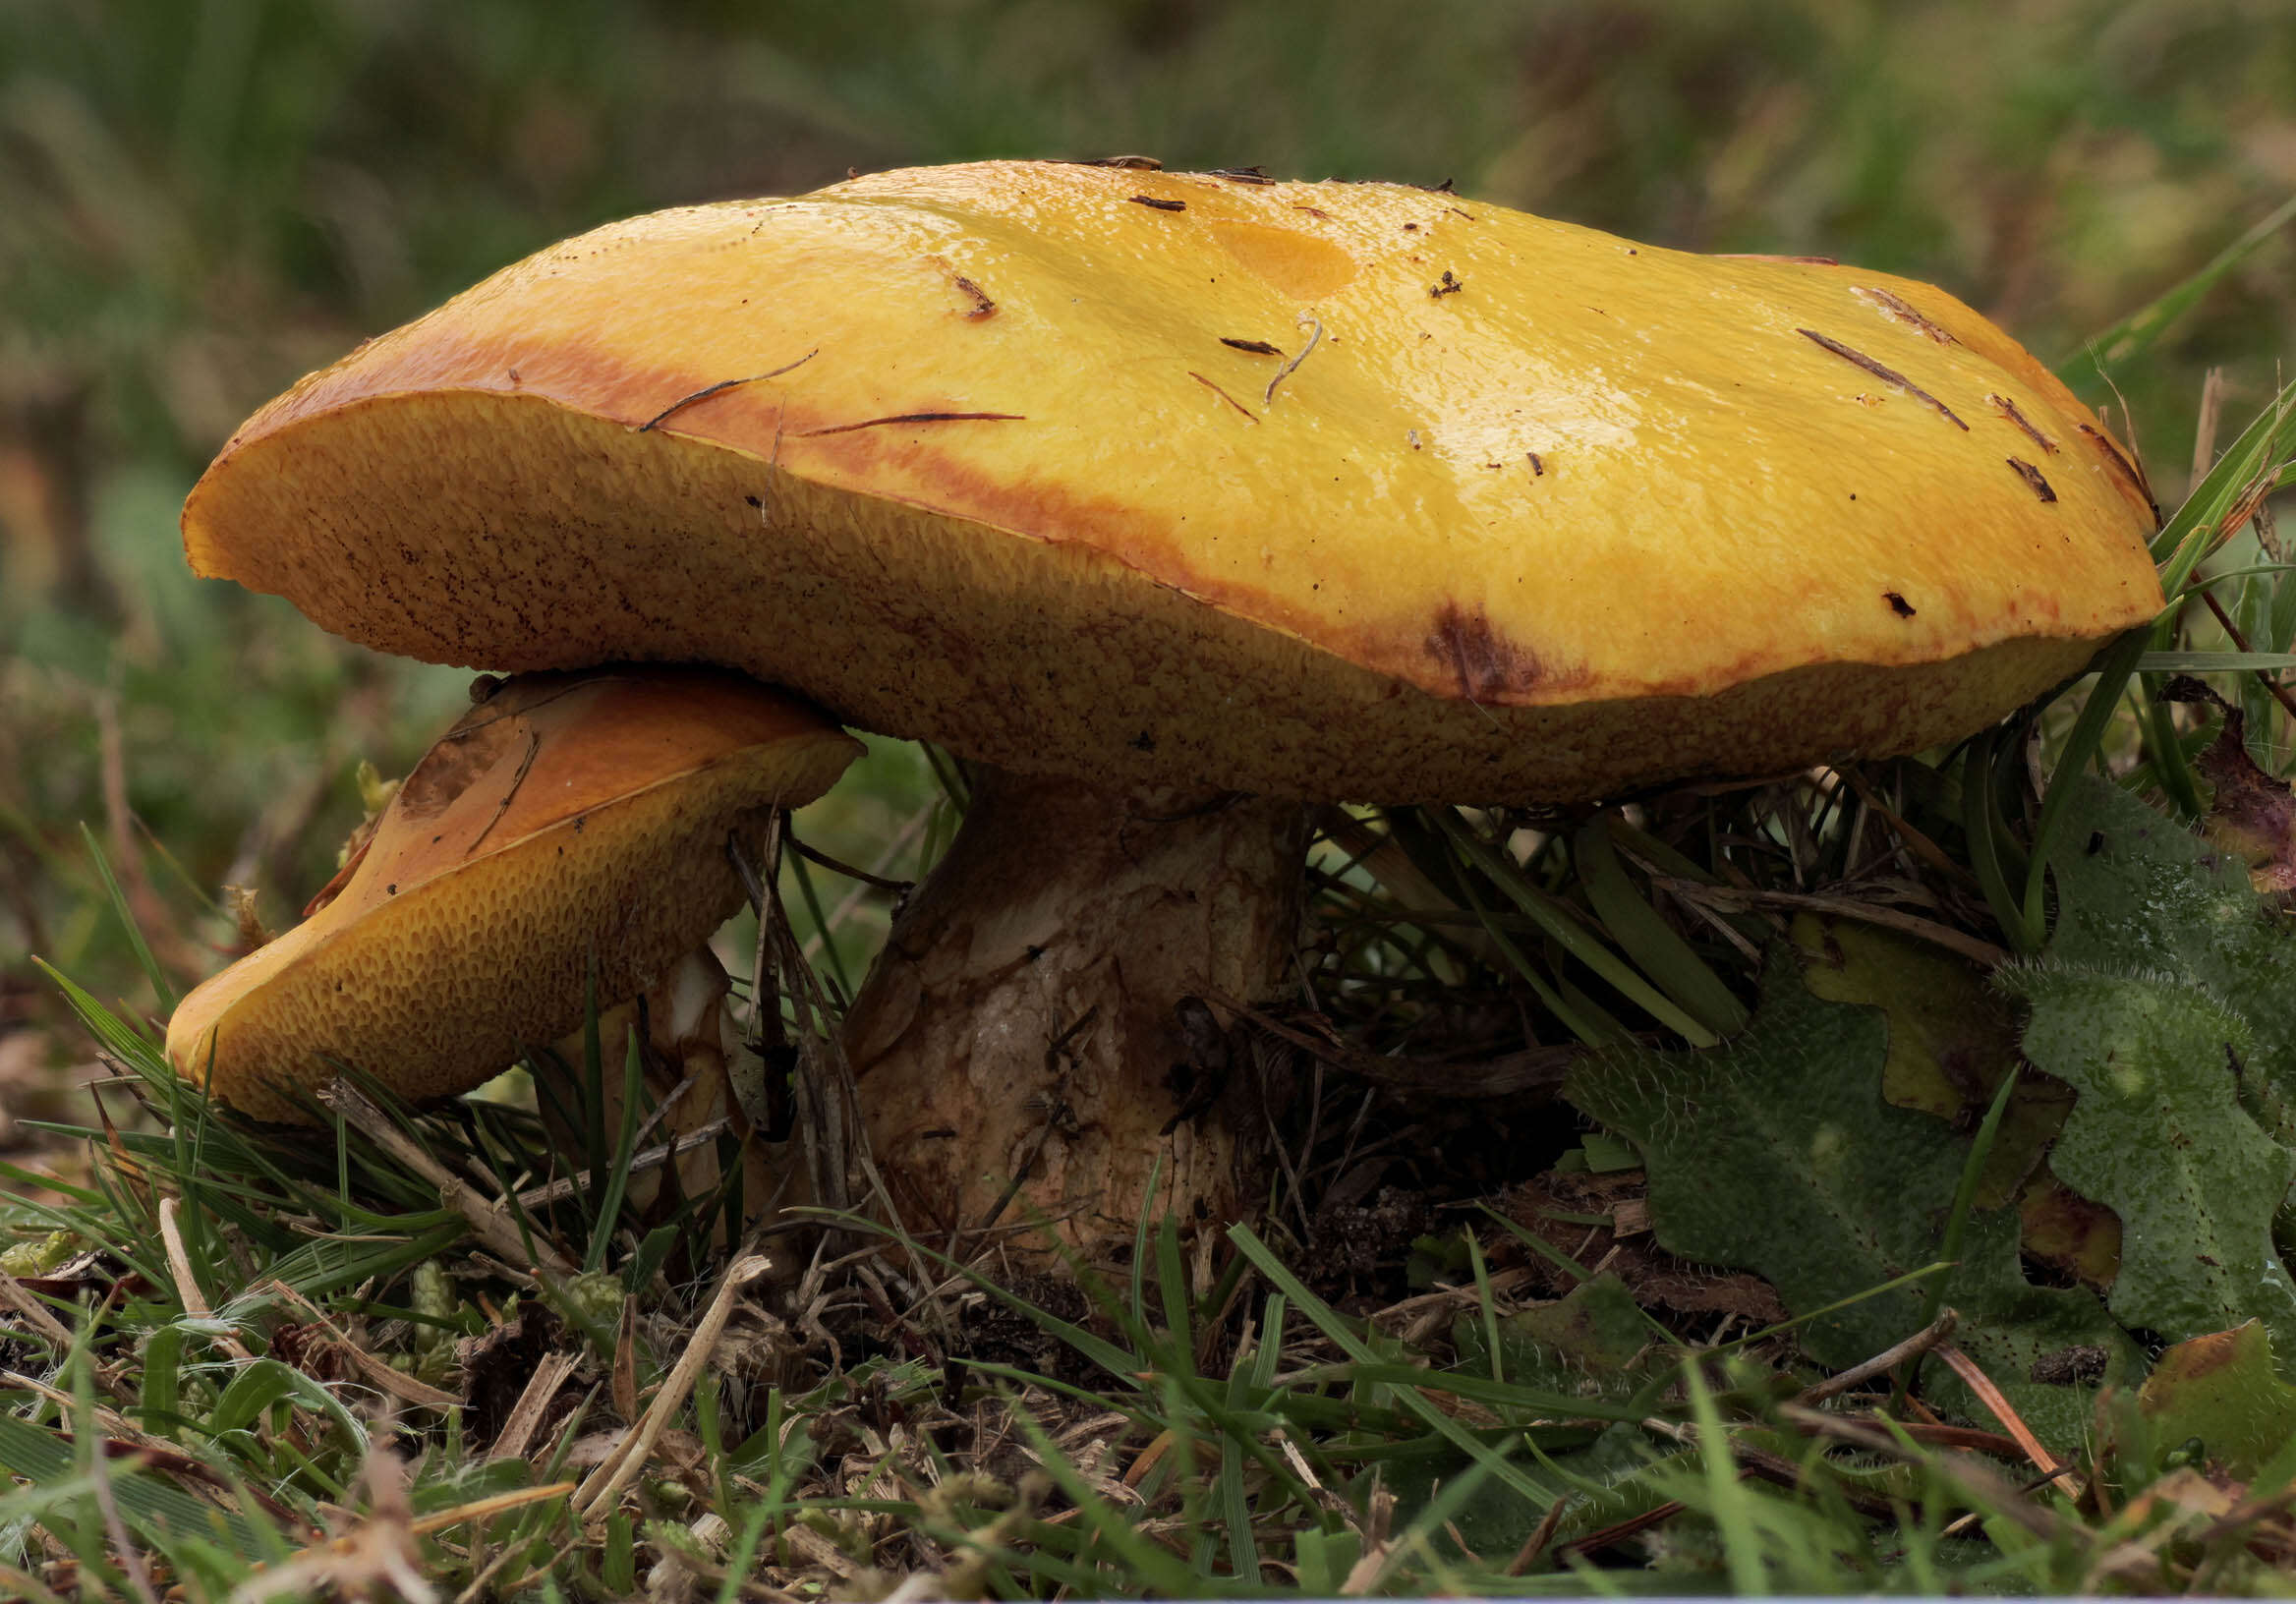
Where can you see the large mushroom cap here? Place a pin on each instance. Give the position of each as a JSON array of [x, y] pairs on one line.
[[565, 841], [1339, 489]]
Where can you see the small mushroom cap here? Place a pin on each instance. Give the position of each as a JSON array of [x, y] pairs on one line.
[[569, 827], [1324, 489]]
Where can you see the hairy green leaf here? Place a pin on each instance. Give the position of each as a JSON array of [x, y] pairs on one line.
[[2164, 1001], [2221, 1388], [1952, 1038], [1776, 1153]]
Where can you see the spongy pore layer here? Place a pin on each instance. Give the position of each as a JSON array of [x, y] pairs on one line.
[[566, 841]]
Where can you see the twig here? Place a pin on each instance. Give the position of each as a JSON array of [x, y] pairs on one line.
[[827, 1093], [1981, 953], [557, 1191], [605, 1485], [708, 390], [1619, 1530], [1510, 1074], [1985, 1488], [19, 1297], [1977, 1382], [486, 1220], [486, 1509], [864, 884], [113, 1423], [1376, 1548], [767, 1037], [1540, 1535], [1921, 1342], [534, 747], [838, 866], [2205, 427], [1281, 373], [399, 1385], [1916, 840], [1887, 375]]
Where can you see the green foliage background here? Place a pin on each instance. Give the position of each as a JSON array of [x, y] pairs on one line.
[[201, 199]]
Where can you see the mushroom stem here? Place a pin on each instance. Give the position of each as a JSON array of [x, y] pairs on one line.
[[695, 1068], [1018, 1047]]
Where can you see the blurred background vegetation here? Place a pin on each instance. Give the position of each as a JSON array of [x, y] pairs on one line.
[[201, 199]]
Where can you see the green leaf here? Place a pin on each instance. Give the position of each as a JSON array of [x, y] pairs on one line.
[[1596, 1333], [1952, 1039], [158, 1508], [2159, 1137], [2222, 1389], [1776, 1153], [2162, 999], [2140, 894]]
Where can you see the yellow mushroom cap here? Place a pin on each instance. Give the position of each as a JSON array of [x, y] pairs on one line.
[[1325, 490], [569, 828]]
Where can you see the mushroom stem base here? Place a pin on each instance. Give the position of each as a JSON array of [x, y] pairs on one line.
[[1021, 1054]]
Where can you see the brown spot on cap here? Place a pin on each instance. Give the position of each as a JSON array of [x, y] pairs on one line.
[[2009, 410], [1905, 312], [1898, 604], [917, 418], [983, 307], [2131, 476], [1488, 666], [2032, 476]]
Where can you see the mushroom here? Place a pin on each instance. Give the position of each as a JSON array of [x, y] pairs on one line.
[[1173, 501], [564, 841]]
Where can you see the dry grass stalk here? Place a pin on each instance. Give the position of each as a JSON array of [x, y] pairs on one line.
[[397, 1383], [605, 1485], [525, 1415], [186, 1283], [489, 1222]]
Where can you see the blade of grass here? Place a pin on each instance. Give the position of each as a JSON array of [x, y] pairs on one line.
[[2115, 667], [1984, 828], [119, 902], [2258, 455], [1564, 931], [1965, 1198], [1729, 1499], [1326, 1320], [1159, 1570], [2136, 333], [617, 1179], [2164, 748], [1647, 939], [2217, 663]]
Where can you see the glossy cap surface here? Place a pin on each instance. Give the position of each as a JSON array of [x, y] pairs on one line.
[[1331, 489]]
